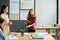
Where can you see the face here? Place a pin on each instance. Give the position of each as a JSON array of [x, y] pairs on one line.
[[6, 10], [32, 12]]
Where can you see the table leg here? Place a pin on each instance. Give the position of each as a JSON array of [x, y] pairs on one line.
[[48, 30]]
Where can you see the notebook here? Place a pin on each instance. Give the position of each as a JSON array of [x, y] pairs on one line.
[[38, 36]]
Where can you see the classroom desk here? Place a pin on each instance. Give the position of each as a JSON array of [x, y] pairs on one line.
[[46, 37], [40, 28], [48, 28]]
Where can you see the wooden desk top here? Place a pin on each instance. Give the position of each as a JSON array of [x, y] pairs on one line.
[[46, 36], [44, 28]]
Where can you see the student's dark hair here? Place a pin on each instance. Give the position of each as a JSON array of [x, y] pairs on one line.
[[2, 8], [1, 21]]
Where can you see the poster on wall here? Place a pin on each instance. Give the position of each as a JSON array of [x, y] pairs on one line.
[[27, 4]]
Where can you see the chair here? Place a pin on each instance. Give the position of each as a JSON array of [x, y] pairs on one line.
[[57, 36]]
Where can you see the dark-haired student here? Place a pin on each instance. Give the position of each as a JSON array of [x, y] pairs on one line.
[[32, 19], [1, 29], [4, 15]]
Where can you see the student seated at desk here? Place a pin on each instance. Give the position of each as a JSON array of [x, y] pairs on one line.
[[1, 29], [32, 19], [2, 35]]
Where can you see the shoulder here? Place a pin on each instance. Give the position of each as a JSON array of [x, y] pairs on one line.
[[2, 14]]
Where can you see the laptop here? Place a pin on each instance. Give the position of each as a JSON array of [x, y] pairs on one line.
[[17, 26]]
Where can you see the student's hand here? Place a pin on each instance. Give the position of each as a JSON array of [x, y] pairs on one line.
[[29, 26], [10, 23]]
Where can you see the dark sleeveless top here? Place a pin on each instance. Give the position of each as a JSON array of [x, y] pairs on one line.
[[31, 22]]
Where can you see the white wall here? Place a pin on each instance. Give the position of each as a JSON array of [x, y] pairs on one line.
[[46, 12], [59, 3], [59, 11]]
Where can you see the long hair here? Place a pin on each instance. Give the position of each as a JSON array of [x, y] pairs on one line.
[[30, 17], [2, 8]]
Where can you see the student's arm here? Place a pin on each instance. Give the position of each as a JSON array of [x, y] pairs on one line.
[[7, 23], [1, 32], [2, 35], [34, 24], [2, 16]]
